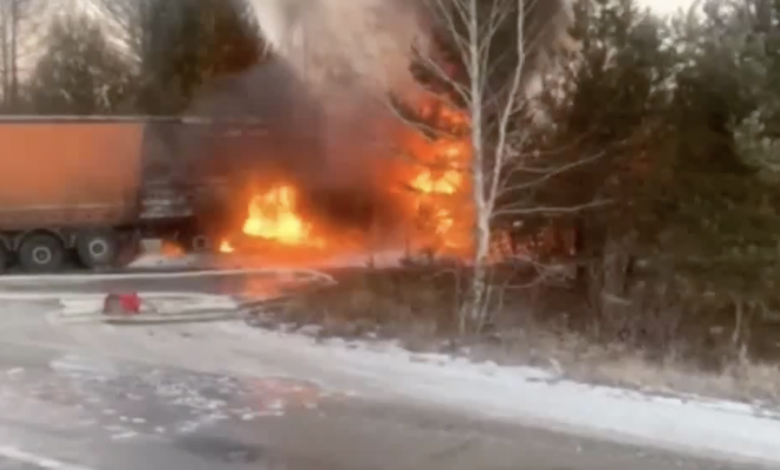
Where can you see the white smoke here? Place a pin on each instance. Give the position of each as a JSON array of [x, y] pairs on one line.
[[348, 54], [328, 126], [367, 43]]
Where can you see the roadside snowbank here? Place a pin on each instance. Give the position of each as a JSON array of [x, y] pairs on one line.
[[534, 396], [383, 259], [151, 261]]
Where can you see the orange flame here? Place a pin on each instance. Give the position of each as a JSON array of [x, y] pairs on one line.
[[435, 203], [273, 216], [448, 183]]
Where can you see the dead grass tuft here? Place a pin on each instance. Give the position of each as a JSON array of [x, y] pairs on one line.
[[580, 359], [415, 304]]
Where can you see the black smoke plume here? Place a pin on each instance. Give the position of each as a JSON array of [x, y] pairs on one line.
[[262, 127]]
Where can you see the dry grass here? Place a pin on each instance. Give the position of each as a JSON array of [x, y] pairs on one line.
[[580, 359], [410, 303], [418, 306]]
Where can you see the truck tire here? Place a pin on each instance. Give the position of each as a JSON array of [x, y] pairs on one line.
[[41, 252], [198, 243], [98, 248]]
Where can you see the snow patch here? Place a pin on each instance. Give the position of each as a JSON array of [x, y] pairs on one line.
[[87, 307], [532, 396], [39, 461], [383, 259], [81, 366], [161, 261]]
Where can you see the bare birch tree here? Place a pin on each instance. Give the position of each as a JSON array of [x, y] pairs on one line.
[[500, 48]]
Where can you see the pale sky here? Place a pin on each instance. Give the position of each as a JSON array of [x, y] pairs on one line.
[[667, 6]]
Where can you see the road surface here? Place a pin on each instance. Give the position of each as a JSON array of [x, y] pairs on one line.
[[184, 397], [239, 283]]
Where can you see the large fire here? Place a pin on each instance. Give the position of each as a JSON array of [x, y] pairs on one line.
[[434, 202], [273, 216]]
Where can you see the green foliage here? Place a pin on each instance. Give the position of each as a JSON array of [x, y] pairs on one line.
[[606, 122], [684, 118], [720, 217], [676, 126]]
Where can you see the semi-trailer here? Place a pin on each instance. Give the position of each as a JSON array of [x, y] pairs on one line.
[[89, 189]]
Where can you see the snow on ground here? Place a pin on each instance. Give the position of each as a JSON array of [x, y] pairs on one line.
[[385, 259], [157, 306], [388, 373], [163, 261], [534, 396]]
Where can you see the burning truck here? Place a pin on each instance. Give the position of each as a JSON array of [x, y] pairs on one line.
[[327, 175], [88, 189], [257, 164]]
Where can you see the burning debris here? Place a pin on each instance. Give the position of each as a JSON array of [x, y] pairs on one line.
[[273, 217], [304, 175], [316, 156], [338, 182]]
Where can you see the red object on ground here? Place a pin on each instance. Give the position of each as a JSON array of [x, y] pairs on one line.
[[122, 304]]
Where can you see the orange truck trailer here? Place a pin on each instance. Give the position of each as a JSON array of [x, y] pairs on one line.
[[88, 190]]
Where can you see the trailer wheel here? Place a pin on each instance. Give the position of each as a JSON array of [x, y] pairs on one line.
[[198, 243], [98, 248], [41, 252]]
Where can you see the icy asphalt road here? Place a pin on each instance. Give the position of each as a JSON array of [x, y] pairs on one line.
[[239, 283], [191, 397]]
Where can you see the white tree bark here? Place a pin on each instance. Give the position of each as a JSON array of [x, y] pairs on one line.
[[488, 163], [494, 138], [474, 307]]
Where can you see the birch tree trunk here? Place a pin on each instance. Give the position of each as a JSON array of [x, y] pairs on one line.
[[488, 35], [475, 309]]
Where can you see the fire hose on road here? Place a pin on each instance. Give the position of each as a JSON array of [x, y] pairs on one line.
[[124, 304]]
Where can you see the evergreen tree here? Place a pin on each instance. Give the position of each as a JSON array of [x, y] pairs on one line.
[[177, 46], [193, 41], [722, 226], [80, 71], [604, 127]]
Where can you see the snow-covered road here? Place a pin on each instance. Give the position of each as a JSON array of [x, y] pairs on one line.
[[374, 403]]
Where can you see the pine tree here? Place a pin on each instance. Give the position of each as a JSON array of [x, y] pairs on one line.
[[187, 43], [603, 127], [722, 226]]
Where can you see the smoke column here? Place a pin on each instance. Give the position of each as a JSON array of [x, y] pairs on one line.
[[322, 99], [327, 124], [371, 40]]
